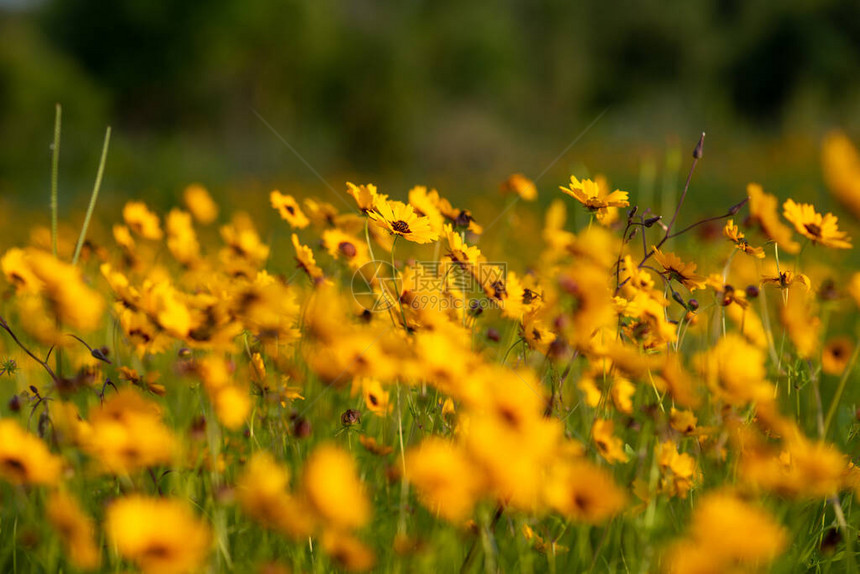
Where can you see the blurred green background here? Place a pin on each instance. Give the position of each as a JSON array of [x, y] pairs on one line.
[[446, 93]]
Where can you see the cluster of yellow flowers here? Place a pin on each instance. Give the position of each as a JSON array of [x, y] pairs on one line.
[[606, 377]]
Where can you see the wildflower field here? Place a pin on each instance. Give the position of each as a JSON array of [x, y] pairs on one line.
[[643, 392]]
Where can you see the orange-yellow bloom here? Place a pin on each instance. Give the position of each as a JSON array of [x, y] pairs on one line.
[[161, 535], [24, 459], [821, 229], [400, 219]]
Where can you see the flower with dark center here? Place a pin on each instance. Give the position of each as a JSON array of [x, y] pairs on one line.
[[400, 226]]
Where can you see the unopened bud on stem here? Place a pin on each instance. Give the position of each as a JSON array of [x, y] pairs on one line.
[[697, 153]]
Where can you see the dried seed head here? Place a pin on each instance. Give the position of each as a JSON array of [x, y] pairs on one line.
[[350, 417], [752, 291], [301, 427]]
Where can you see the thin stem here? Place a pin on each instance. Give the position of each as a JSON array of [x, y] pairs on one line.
[[847, 535], [396, 287], [93, 198], [5, 326], [367, 238], [731, 213], [697, 153], [831, 412], [55, 170]]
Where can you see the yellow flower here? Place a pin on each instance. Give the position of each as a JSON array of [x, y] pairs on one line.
[[763, 208], [142, 221], [122, 236], [595, 197], [841, 167], [232, 406], [836, 355], [289, 209], [128, 434], [586, 287], [682, 421], [786, 279], [245, 252], [734, 370], [802, 324], [347, 551], [683, 273], [160, 535], [610, 447], [735, 235], [726, 533], [333, 488], [325, 214], [802, 468], [426, 205], [307, 262], [343, 246], [622, 392], [365, 195], [181, 238], [375, 398], [583, 492], [370, 445], [64, 294], [18, 273], [400, 219], [76, 530], [509, 436], [854, 288], [818, 228], [447, 482], [520, 185], [679, 469], [263, 492], [200, 204], [24, 459]]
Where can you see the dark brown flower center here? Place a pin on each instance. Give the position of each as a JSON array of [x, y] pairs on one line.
[[400, 226], [14, 467], [291, 209], [813, 229], [582, 503], [347, 248], [499, 289], [528, 296]]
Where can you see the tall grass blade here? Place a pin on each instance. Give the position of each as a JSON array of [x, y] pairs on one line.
[[93, 198]]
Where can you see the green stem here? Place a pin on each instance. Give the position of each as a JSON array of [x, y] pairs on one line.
[[367, 238], [396, 287], [55, 170], [831, 412], [846, 533], [93, 198]]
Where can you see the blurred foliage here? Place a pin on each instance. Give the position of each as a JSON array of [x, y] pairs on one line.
[[414, 88]]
